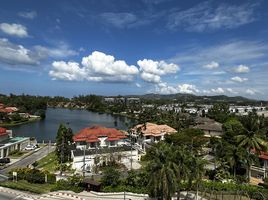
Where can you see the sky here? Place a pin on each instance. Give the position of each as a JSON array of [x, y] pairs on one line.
[[112, 47]]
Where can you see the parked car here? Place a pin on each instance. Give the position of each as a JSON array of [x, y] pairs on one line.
[[4, 160], [30, 147]]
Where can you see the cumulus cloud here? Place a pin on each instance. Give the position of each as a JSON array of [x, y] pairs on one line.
[[28, 15], [230, 90], [13, 54], [164, 88], [239, 79], [14, 29], [241, 69], [67, 71], [212, 65], [218, 90], [95, 67], [250, 91], [205, 17], [151, 71], [188, 88]]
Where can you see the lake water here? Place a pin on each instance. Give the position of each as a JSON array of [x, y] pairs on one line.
[[76, 119]]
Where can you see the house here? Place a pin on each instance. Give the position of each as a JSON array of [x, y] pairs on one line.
[[9, 143], [99, 136], [209, 126], [97, 145], [150, 133], [261, 171]]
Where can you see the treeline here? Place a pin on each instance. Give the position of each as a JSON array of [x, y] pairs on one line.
[[35, 105]]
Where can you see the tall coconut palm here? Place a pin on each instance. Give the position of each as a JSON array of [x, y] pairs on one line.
[[252, 137], [233, 155], [163, 171]]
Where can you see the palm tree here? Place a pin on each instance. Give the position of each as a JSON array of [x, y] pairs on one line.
[[233, 155], [252, 137], [162, 170]]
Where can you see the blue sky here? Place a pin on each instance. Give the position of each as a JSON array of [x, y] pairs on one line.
[[134, 47]]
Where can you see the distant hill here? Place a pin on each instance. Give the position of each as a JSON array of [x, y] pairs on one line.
[[199, 99]]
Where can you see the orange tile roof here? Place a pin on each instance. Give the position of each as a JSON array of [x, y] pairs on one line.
[[91, 134], [154, 129]]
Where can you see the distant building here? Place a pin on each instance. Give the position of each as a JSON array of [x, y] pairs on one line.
[[96, 145], [209, 126], [149, 133], [9, 143]]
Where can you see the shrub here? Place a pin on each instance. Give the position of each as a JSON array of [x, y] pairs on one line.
[[33, 175], [66, 185]]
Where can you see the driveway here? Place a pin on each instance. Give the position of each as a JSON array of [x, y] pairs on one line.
[[29, 159]]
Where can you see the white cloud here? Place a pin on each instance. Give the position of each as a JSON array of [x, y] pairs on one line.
[[62, 51], [28, 15], [212, 65], [95, 67], [151, 71], [250, 91], [67, 71], [230, 90], [204, 17], [14, 29], [13, 54], [164, 88], [239, 79], [138, 85], [218, 90], [241, 69], [188, 88], [151, 78]]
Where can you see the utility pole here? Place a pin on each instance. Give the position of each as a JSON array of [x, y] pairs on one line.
[[62, 154], [84, 162]]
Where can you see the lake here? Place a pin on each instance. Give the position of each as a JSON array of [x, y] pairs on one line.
[[45, 130]]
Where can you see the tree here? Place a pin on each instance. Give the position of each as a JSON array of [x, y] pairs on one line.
[[252, 138], [219, 112], [64, 142], [192, 138], [233, 155], [110, 177], [163, 171]]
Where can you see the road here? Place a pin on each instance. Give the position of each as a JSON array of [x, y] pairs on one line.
[[29, 159]]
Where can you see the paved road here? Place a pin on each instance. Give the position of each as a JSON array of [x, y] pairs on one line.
[[29, 159]]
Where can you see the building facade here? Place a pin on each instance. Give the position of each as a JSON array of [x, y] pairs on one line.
[[9, 143]]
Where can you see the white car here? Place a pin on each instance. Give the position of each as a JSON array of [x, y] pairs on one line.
[[30, 147]]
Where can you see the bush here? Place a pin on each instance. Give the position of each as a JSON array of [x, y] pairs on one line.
[[67, 185], [33, 175], [111, 177]]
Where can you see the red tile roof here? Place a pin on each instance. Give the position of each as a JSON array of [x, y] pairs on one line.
[[6, 110], [91, 134], [3, 131]]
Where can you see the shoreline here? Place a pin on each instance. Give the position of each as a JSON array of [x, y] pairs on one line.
[[31, 120]]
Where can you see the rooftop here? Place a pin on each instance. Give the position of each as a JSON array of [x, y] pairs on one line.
[[154, 129], [92, 134]]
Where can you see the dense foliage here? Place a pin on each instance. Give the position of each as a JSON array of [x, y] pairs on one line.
[[64, 143]]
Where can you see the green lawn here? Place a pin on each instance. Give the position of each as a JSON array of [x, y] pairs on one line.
[[25, 186], [48, 163]]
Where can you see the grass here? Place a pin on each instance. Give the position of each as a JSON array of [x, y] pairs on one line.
[[48, 163], [17, 154], [26, 186]]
